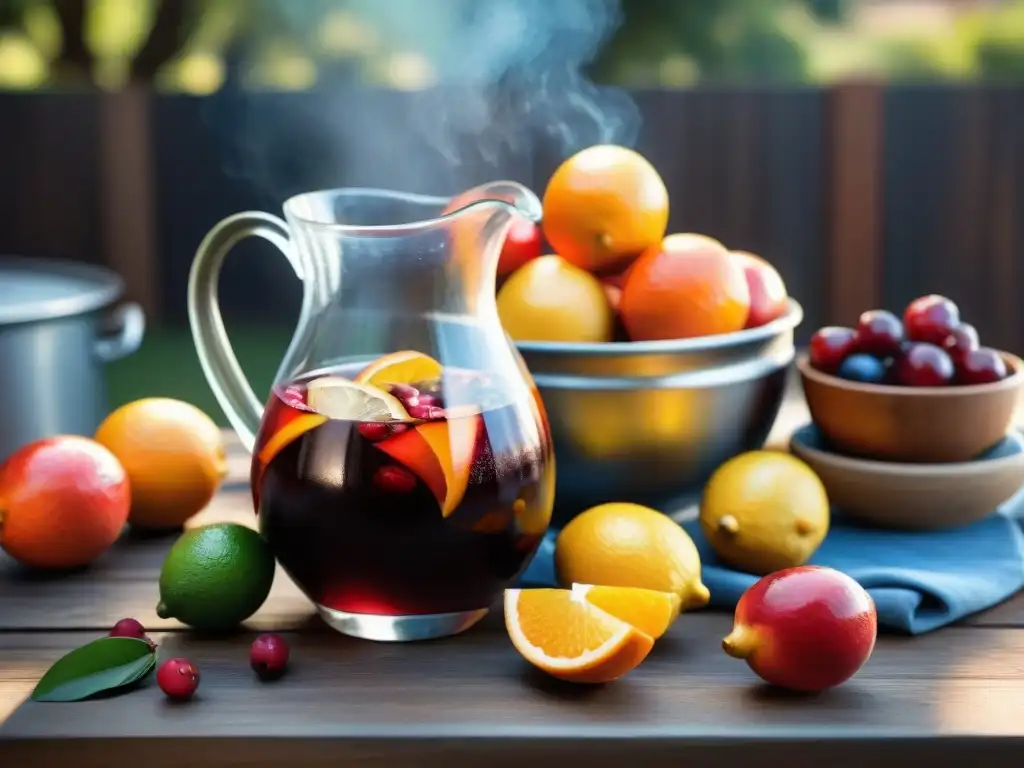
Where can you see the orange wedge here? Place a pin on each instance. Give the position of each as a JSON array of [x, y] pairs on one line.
[[440, 453], [560, 632], [405, 367], [294, 429], [648, 610]]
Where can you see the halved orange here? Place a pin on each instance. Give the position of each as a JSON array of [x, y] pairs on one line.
[[560, 632], [440, 453], [648, 610], [406, 367]]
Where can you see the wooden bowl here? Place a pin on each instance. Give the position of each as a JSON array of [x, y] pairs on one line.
[[912, 424], [914, 496]]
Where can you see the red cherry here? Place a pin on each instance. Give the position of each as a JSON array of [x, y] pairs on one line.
[[879, 333], [392, 479], [294, 396], [830, 346], [268, 656], [129, 628], [426, 412], [178, 678], [980, 366], [430, 401], [398, 428], [963, 339], [374, 430], [931, 319], [807, 628], [403, 392], [523, 243], [924, 365]]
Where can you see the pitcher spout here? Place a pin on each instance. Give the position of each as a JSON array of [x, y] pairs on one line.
[[508, 197]]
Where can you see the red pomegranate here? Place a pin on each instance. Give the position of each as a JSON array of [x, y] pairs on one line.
[[807, 628]]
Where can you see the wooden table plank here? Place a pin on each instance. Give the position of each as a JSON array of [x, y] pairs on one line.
[[960, 683]]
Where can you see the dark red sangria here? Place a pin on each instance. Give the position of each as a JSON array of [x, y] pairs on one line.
[[401, 497]]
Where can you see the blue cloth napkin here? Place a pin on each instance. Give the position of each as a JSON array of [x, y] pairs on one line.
[[920, 581]]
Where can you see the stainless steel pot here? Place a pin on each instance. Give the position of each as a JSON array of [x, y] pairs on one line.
[[58, 327], [648, 422]]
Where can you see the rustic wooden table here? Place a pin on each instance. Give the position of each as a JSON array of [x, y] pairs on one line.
[[952, 696]]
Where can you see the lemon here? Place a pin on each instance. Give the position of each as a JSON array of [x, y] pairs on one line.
[[340, 398], [763, 511], [628, 545]]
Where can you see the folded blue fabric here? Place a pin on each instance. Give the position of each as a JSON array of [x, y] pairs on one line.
[[919, 581]]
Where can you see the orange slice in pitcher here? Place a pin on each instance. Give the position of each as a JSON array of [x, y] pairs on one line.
[[560, 632], [650, 611], [440, 453], [293, 429], [405, 367]]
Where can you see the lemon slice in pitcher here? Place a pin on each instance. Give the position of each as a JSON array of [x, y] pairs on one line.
[[340, 398]]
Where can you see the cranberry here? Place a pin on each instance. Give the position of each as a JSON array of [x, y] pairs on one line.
[[879, 333], [178, 678], [426, 412], [931, 319], [924, 365], [980, 366], [268, 656], [961, 340], [430, 401], [403, 392], [374, 430], [398, 428], [129, 628], [392, 479], [830, 346], [294, 396]]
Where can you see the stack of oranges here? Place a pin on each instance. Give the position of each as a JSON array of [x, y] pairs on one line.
[[615, 275]]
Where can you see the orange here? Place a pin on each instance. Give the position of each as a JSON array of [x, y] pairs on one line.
[[549, 299], [560, 632], [620, 544], [687, 286], [440, 453], [603, 206], [173, 454], [407, 367], [648, 610]]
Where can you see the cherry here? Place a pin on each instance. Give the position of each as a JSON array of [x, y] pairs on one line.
[[924, 365], [178, 679], [294, 396], [962, 339], [830, 346], [980, 366], [931, 319], [129, 628], [404, 392], [879, 333], [397, 428], [429, 401], [268, 656], [374, 431], [393, 479], [864, 368]]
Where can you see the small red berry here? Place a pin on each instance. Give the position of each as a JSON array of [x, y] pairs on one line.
[[268, 656], [430, 400], [374, 431], [178, 678], [394, 479], [129, 628], [398, 428], [426, 412], [403, 392]]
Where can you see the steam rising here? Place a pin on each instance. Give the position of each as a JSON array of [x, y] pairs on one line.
[[509, 82]]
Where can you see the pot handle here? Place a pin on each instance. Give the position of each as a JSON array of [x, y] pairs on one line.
[[130, 322], [218, 360]]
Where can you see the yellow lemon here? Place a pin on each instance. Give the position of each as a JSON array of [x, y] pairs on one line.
[[763, 511], [629, 545]]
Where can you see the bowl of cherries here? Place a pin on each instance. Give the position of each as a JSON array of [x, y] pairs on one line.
[[920, 388]]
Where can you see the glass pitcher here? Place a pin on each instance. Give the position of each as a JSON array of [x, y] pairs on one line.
[[402, 467]]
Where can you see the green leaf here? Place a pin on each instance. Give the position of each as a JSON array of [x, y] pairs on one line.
[[102, 665]]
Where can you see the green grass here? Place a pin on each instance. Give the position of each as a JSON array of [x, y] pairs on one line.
[[167, 366]]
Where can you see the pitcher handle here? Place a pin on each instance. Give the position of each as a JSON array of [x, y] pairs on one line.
[[217, 357]]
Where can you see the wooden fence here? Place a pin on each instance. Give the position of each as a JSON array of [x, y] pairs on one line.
[[862, 195]]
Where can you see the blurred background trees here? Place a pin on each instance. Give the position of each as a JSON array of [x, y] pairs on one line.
[[197, 46]]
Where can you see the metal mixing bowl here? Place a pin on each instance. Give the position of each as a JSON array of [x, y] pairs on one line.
[[648, 422]]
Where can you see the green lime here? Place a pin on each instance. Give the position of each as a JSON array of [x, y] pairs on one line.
[[215, 577]]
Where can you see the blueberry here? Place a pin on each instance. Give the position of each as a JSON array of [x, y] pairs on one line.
[[864, 368]]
